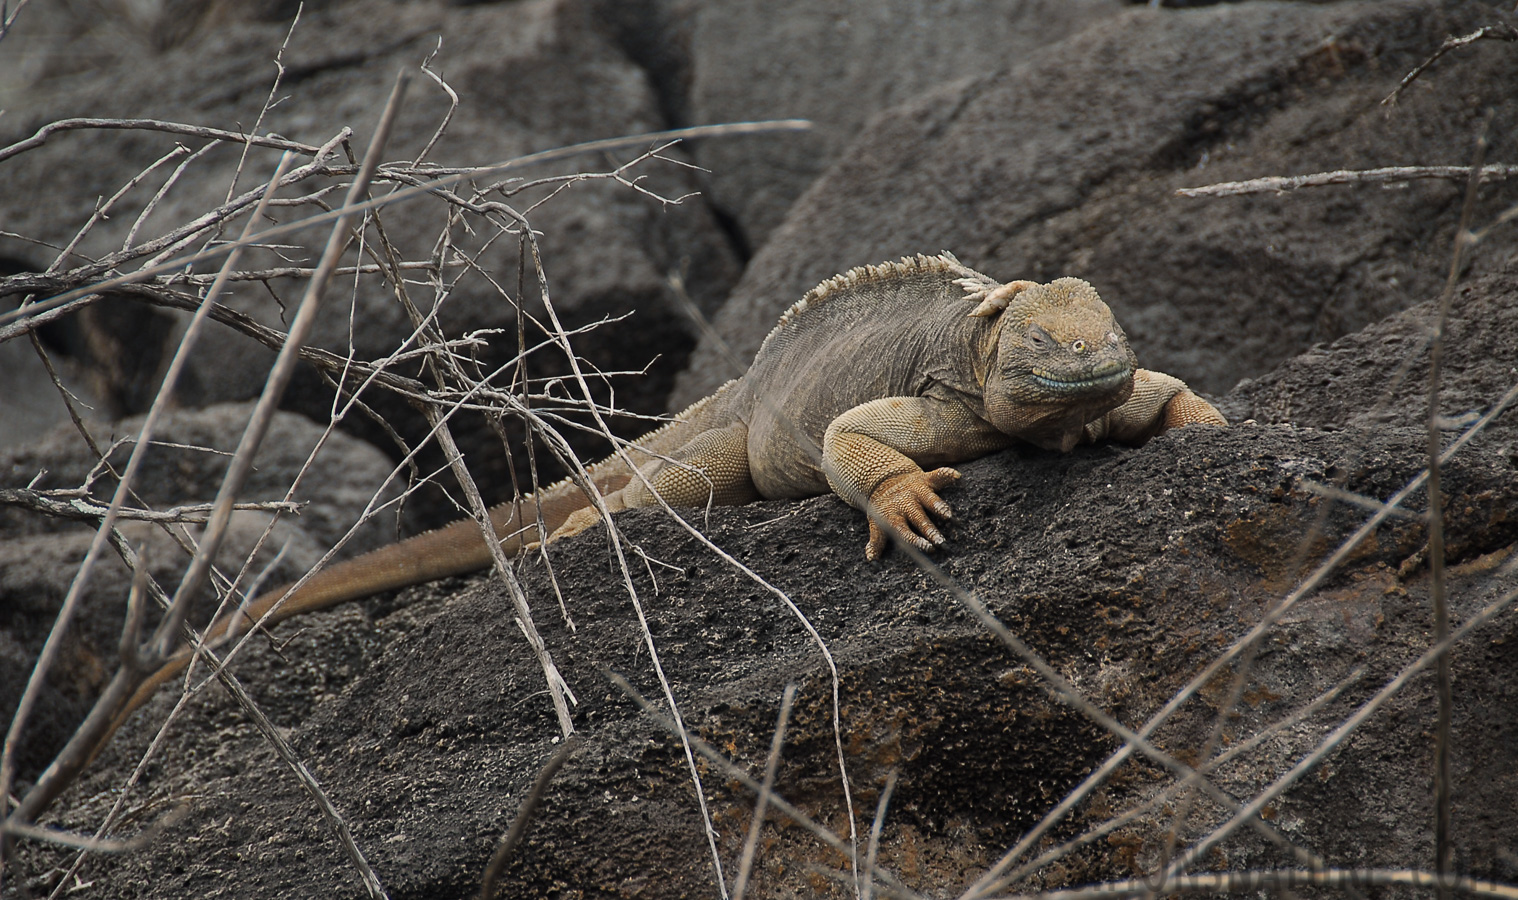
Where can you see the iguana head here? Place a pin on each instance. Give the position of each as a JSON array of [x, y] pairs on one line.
[[1060, 361]]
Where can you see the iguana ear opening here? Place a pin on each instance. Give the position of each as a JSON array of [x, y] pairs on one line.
[[996, 300]]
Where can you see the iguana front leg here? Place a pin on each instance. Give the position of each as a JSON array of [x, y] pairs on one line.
[[712, 468], [873, 456], [1159, 402]]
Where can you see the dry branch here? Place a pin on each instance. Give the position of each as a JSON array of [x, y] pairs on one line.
[[216, 134], [1498, 32], [1278, 880], [82, 509], [1280, 184]]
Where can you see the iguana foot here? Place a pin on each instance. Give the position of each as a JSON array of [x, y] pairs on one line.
[[902, 503], [1186, 408]]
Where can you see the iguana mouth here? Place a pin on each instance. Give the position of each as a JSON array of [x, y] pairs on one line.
[[1106, 377]]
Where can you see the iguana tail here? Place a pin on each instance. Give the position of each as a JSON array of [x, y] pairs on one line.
[[455, 549]]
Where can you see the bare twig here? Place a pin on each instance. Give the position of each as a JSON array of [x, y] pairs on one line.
[[613, 534], [1280, 184], [408, 193], [737, 773], [1498, 32], [875, 829], [269, 98], [1367, 503], [87, 843], [165, 638], [1339, 734], [8, 17], [518, 826], [1113, 823], [85, 510], [74, 756], [1280, 879], [103, 210], [200, 131], [766, 788], [1443, 851]]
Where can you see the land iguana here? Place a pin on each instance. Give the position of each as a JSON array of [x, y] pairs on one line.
[[888, 370]]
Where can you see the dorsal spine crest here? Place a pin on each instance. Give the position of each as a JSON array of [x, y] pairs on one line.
[[944, 262]]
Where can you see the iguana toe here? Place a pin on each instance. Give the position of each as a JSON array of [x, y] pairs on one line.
[[902, 503]]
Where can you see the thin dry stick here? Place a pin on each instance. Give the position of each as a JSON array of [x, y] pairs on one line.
[[558, 690], [269, 99], [1345, 729], [1283, 879], [163, 191], [737, 773], [54, 778], [404, 194], [279, 378], [8, 17], [1500, 32], [1280, 184], [237, 471], [84, 509], [875, 829], [367, 875], [103, 210], [89, 844], [1443, 852], [518, 827], [1068, 694], [1307, 586], [241, 466], [766, 788], [1113, 823], [62, 125], [614, 535]]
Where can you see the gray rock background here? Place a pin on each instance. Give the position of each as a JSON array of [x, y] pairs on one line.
[[1033, 139]]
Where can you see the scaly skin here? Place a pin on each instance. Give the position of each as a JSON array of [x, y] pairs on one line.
[[871, 376]]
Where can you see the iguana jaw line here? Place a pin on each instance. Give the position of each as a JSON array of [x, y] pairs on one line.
[[1102, 379]]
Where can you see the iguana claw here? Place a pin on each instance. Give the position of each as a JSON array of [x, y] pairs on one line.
[[902, 503]]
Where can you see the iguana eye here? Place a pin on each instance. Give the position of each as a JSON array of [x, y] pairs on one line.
[[1078, 346], [1039, 339]]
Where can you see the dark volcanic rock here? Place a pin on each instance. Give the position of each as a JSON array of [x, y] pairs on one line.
[[1128, 570], [527, 77], [1067, 164], [40, 555], [1379, 376], [836, 64]]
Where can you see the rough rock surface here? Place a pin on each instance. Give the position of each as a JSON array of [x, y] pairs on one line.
[[1067, 164], [423, 714], [528, 77], [1379, 375], [39, 555], [836, 64], [1127, 569]]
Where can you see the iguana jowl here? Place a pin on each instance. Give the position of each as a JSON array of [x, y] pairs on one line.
[[888, 369]]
